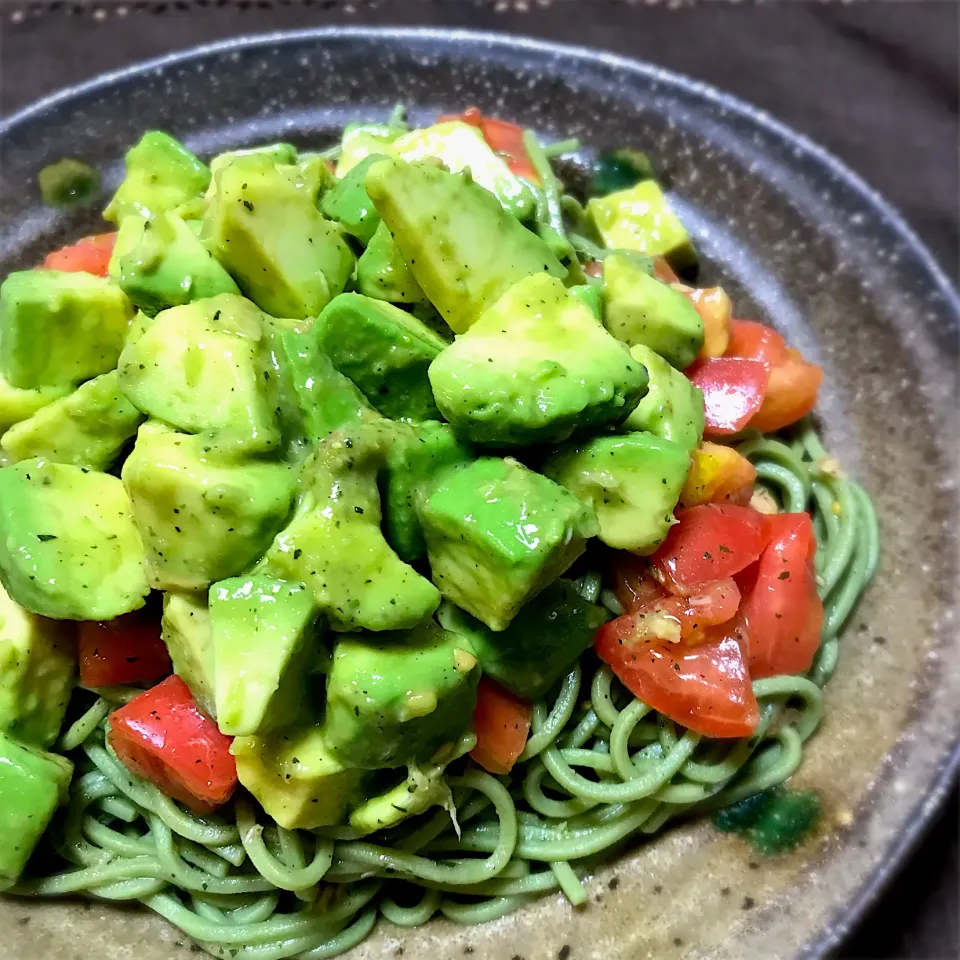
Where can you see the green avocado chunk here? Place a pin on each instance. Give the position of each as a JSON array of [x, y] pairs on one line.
[[397, 699], [541, 643], [639, 308], [17, 404], [421, 789], [264, 227], [462, 247], [673, 406], [535, 367], [633, 482], [296, 778], [161, 174], [199, 367], [69, 548], [33, 783], [185, 627], [384, 351], [497, 533], [279, 153], [37, 669], [347, 202], [383, 274], [264, 646], [334, 545], [88, 428], [59, 328], [161, 263]]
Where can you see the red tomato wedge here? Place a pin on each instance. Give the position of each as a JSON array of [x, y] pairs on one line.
[[503, 138], [783, 611], [663, 271], [705, 688], [89, 255], [126, 650], [791, 393], [501, 722], [162, 736], [733, 391], [633, 582], [755, 341], [708, 542]]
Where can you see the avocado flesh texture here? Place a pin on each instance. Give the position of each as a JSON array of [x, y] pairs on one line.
[[161, 174], [383, 274], [535, 367], [185, 628], [17, 405], [347, 202], [421, 789], [33, 783], [69, 548], [59, 329], [203, 518], [673, 406], [633, 482], [497, 534], [264, 647], [264, 227], [397, 699], [639, 308], [333, 542], [384, 350], [464, 250], [541, 644], [88, 428]]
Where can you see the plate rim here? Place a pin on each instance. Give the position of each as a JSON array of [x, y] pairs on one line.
[[837, 927]]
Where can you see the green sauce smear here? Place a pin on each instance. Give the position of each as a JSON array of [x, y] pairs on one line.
[[68, 183], [775, 821]]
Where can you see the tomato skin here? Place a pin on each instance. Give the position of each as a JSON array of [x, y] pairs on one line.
[[163, 737], [714, 307], [756, 341], [791, 393], [663, 271], [733, 391], [89, 255], [708, 542], [781, 605], [126, 650], [718, 474], [501, 722]]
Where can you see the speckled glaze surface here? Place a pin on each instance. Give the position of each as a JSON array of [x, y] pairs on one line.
[[799, 242]]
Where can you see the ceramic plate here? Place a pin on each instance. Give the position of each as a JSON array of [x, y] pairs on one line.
[[798, 241]]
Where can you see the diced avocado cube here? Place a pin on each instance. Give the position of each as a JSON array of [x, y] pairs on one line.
[[311, 175], [264, 645], [641, 219], [360, 140], [281, 153], [334, 545], [384, 351], [347, 202], [398, 699], [459, 146], [383, 274], [417, 792], [37, 669], [639, 308], [161, 174], [59, 328], [265, 229], [497, 533], [199, 367], [185, 627], [17, 404], [673, 406], [203, 518], [88, 428], [462, 247], [33, 783], [164, 264], [633, 482], [296, 778], [69, 548], [535, 367], [590, 294], [541, 644]]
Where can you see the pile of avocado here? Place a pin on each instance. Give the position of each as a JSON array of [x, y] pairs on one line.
[[355, 425]]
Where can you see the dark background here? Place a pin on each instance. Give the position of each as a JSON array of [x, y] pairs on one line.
[[875, 82]]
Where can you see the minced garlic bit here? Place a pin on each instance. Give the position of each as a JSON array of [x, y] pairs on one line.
[[829, 466], [762, 501], [836, 508]]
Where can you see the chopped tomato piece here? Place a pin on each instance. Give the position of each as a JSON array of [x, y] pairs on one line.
[[708, 542], [501, 723], [783, 611], [733, 392], [705, 688], [471, 115], [715, 310], [162, 736], [663, 271], [594, 268], [718, 474], [791, 393], [756, 341], [126, 650], [89, 255], [633, 582]]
